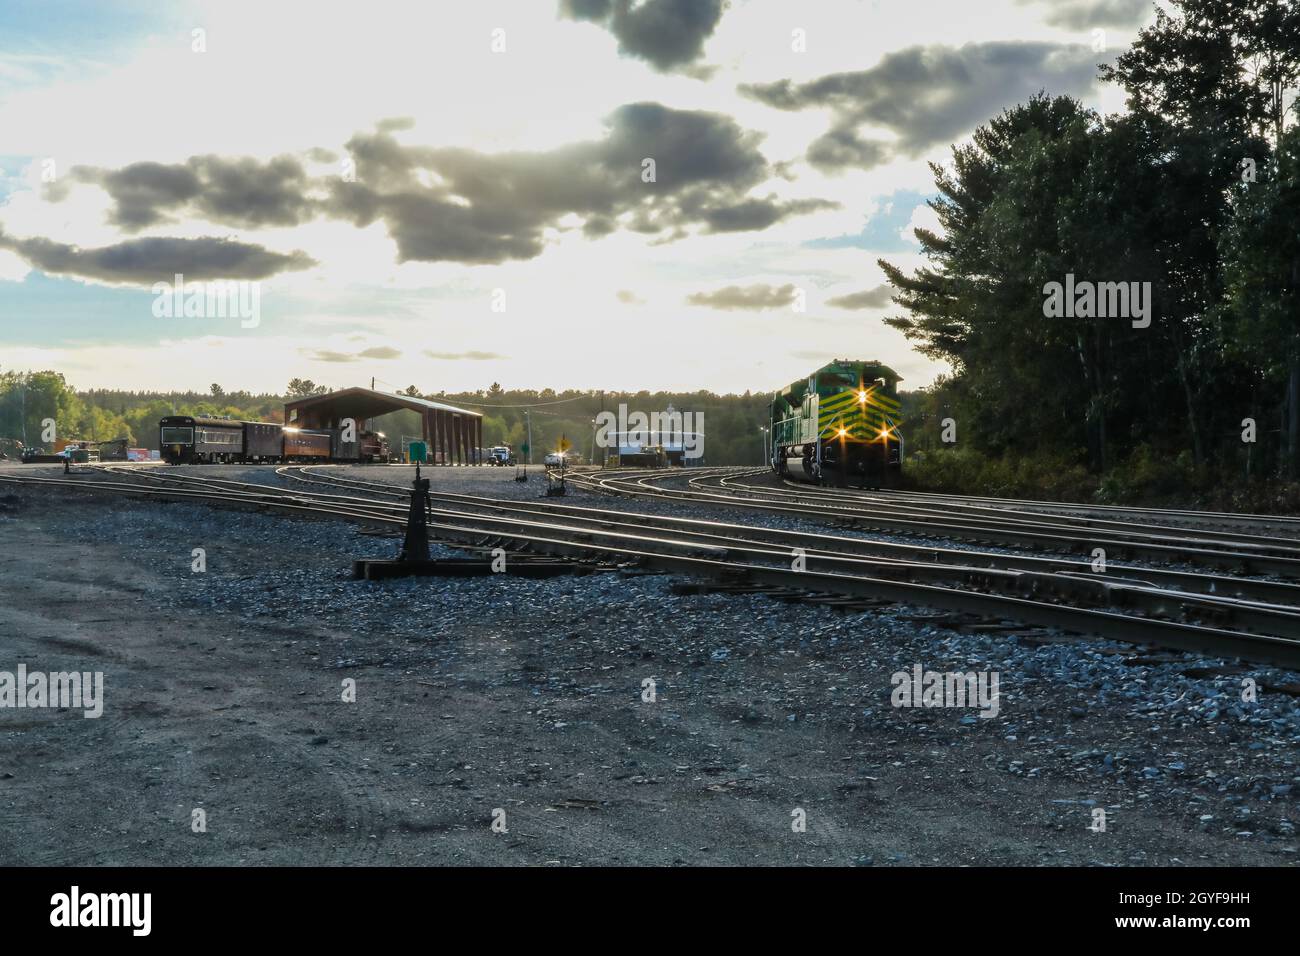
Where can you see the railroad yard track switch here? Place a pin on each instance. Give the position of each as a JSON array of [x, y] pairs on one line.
[[414, 560]]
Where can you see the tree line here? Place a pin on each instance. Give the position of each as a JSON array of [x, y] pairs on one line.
[[731, 423], [1191, 195]]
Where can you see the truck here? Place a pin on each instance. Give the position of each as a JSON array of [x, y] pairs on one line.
[[500, 456]]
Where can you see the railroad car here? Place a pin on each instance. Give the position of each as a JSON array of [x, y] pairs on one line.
[[839, 426], [263, 441], [186, 440], [301, 444]]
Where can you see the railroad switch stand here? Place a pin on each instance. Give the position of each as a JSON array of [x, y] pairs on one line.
[[414, 559], [416, 545]]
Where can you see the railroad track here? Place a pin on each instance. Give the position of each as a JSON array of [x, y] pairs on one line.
[[1207, 613], [1212, 524], [1234, 551]]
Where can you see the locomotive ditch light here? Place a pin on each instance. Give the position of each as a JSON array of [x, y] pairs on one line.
[[862, 396], [843, 432]]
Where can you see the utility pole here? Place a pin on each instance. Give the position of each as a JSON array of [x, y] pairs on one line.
[[528, 421]]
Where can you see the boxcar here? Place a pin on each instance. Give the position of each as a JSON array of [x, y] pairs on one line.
[[185, 440], [839, 426], [263, 441]]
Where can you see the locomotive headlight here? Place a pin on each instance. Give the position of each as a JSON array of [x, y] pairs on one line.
[[862, 397]]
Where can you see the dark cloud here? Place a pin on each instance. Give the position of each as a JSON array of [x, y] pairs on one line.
[[142, 191], [927, 96], [753, 297], [447, 204], [471, 356], [842, 146], [490, 207], [240, 192], [667, 34], [1084, 14], [146, 261], [876, 298], [759, 213]]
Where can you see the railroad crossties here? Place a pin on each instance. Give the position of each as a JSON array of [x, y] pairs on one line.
[[727, 656]]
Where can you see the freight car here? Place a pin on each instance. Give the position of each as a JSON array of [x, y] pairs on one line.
[[187, 440], [839, 426]]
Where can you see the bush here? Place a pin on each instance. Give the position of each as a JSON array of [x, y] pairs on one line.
[[1147, 477]]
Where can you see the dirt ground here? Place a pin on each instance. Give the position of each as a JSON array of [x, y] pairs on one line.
[[482, 696]]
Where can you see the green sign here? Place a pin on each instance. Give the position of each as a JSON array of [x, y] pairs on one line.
[[524, 448]]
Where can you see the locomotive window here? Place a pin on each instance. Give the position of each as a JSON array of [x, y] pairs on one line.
[[177, 436]]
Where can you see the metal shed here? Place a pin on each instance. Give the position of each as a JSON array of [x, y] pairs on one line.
[[453, 434]]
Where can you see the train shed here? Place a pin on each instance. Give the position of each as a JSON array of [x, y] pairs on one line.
[[454, 435]]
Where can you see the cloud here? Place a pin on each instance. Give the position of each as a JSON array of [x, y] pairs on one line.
[[1083, 14], [926, 96], [876, 298], [924, 218], [471, 356], [239, 192], [628, 297], [452, 204], [753, 297], [382, 352], [667, 34], [150, 260]]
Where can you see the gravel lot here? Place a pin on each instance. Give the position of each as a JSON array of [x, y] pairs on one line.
[[473, 695]]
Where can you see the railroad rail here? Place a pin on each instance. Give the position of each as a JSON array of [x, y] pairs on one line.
[[1213, 614], [1125, 541]]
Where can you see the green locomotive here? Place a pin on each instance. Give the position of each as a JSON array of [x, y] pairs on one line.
[[840, 426]]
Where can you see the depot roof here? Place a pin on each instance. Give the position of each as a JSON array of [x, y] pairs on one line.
[[362, 403]]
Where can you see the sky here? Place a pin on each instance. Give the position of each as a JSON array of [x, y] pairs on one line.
[[616, 194]]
